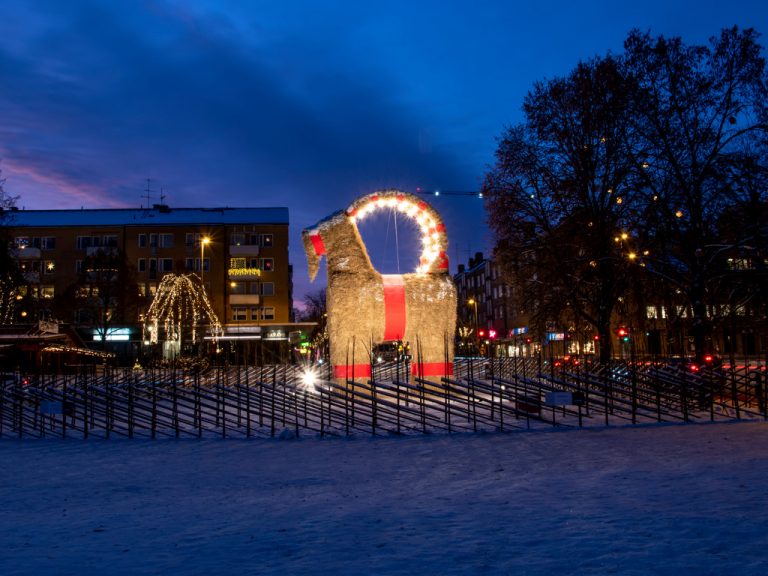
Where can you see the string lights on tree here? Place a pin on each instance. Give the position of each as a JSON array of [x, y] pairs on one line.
[[180, 305]]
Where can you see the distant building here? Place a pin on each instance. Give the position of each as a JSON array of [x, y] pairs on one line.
[[244, 262]]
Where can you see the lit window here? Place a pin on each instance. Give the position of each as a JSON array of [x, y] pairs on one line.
[[266, 240], [268, 313], [268, 264], [238, 313], [46, 292]]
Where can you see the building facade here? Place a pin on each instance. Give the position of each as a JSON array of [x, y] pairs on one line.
[[240, 253]]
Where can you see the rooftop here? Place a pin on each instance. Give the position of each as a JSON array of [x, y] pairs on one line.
[[157, 215]]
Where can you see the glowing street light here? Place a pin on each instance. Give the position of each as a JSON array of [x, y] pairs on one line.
[[472, 302], [203, 242]]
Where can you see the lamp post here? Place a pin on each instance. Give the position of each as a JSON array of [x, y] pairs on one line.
[[203, 242], [473, 302]]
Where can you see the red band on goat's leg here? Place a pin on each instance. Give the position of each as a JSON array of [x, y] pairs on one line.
[[394, 306], [432, 369], [352, 370]]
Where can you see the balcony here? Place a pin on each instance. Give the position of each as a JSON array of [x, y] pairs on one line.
[[107, 250], [244, 299], [244, 250], [26, 253]]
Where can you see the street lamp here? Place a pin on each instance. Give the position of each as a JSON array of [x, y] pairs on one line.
[[203, 242], [473, 302]]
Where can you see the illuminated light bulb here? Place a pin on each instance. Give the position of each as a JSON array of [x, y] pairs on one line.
[[631, 255], [679, 213], [624, 235], [619, 200]]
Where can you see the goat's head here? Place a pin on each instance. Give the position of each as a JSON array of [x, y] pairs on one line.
[[433, 259]]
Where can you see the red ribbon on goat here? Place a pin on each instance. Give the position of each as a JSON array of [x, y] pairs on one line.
[[317, 243], [394, 306]]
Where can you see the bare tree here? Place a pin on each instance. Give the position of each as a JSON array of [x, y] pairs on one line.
[[698, 112], [562, 192]]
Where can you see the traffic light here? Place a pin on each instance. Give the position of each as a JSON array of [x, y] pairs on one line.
[[623, 333], [481, 333]]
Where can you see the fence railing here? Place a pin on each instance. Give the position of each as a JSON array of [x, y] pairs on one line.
[[268, 401]]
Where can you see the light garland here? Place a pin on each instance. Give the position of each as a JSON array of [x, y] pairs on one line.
[[180, 302], [433, 236]]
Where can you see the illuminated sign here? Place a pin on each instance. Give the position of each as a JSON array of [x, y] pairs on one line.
[[114, 335], [245, 271]]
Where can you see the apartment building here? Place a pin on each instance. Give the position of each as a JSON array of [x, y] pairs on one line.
[[241, 254]]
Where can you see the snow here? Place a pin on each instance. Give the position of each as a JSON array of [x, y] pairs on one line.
[[656, 499]]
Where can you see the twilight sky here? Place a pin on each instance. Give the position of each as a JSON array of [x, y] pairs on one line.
[[298, 104]]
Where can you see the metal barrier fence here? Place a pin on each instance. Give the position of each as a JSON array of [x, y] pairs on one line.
[[281, 400]]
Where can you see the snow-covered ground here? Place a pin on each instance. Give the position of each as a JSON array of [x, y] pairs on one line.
[[645, 500]]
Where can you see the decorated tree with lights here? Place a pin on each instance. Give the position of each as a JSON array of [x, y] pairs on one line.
[[180, 314], [701, 115], [10, 278], [562, 192]]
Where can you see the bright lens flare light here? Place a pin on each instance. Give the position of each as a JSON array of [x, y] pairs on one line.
[[308, 380]]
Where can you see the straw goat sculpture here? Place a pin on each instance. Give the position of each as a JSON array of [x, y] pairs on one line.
[[367, 307]]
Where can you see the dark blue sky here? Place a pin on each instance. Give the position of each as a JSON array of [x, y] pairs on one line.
[[298, 104]]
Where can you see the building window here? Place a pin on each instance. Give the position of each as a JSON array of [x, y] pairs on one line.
[[153, 240], [22, 242], [84, 242], [142, 264], [167, 264], [50, 267], [268, 264], [238, 313], [268, 313], [46, 291], [48, 243], [189, 264], [153, 268], [78, 266], [166, 240], [254, 288], [255, 313], [152, 289], [110, 241], [237, 287], [266, 240], [236, 239], [268, 288], [237, 263], [142, 240], [142, 290]]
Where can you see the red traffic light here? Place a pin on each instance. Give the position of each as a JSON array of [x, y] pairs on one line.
[[622, 331], [708, 358], [596, 337], [481, 333]]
